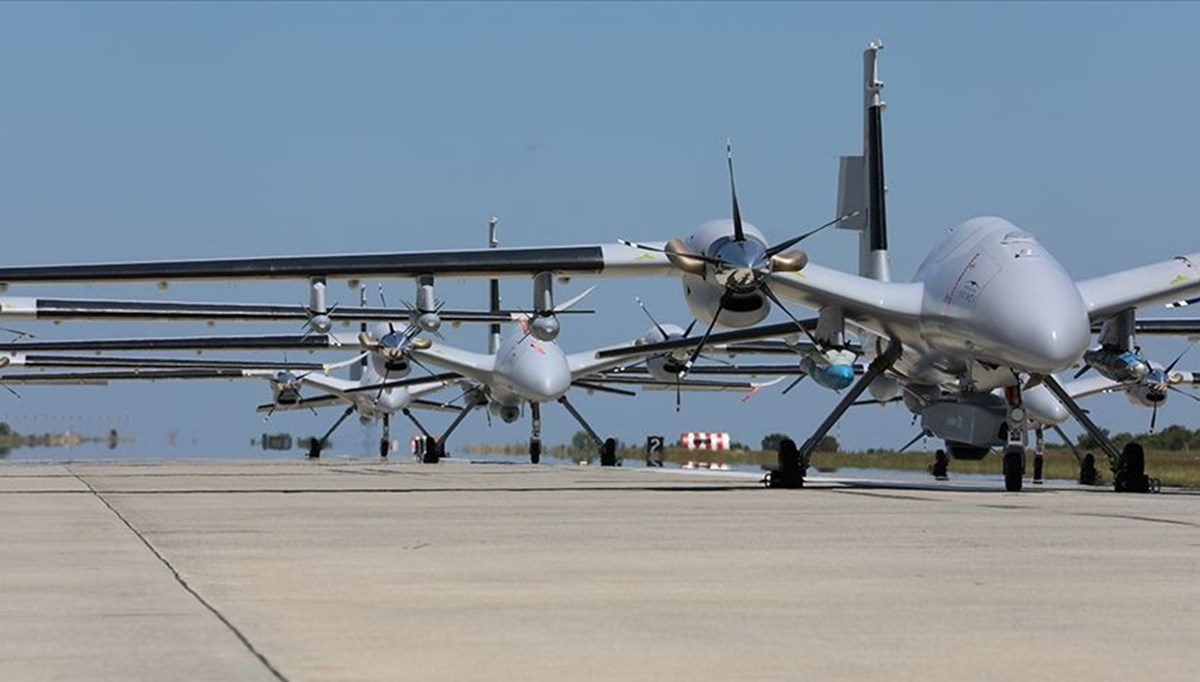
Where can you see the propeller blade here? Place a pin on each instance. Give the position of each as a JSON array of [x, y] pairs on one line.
[[775, 299], [1177, 359], [657, 326], [795, 381], [688, 332], [1153, 417], [678, 391], [739, 235], [909, 444], [1183, 392], [703, 339], [571, 303], [787, 244], [1083, 371]]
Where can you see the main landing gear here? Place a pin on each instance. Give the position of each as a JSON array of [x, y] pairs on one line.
[[535, 435], [435, 448], [608, 446], [1128, 465], [1014, 449], [793, 467], [317, 444]]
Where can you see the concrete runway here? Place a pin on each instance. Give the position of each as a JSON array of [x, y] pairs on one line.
[[357, 570]]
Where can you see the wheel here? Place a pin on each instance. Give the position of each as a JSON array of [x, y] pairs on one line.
[[1131, 470], [433, 452], [314, 449], [790, 473], [608, 453], [535, 451], [384, 448], [1014, 468], [941, 466], [1087, 470]]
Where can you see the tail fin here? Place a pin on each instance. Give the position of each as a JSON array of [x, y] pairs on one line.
[[493, 292], [356, 370], [860, 178]]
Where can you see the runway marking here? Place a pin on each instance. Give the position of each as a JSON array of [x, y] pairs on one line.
[[183, 583]]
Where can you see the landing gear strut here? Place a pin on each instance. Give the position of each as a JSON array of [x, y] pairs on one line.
[[878, 366], [317, 444], [435, 448], [385, 441], [535, 436], [1018, 436], [789, 474], [608, 447], [1128, 466], [1039, 454], [941, 465]]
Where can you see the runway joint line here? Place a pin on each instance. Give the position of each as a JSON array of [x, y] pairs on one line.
[[182, 582]]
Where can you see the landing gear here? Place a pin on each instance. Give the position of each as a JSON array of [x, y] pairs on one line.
[[1128, 466], [608, 448], [535, 437], [316, 445], [790, 473], [1014, 468], [1131, 471], [434, 451], [1039, 454], [608, 453], [1018, 437], [1087, 470], [878, 366], [435, 448], [385, 441], [941, 466], [1087, 462]]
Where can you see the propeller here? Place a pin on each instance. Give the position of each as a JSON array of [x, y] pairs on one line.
[[742, 264], [1163, 384]]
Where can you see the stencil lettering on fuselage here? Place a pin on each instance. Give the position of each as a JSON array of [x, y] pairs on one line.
[[979, 271]]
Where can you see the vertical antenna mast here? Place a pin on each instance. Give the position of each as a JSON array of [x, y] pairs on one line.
[[494, 291]]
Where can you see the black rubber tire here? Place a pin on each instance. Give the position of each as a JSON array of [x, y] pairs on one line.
[[791, 471], [314, 450], [1087, 470], [535, 451], [433, 452], [608, 453], [941, 465], [1014, 468], [1131, 474]]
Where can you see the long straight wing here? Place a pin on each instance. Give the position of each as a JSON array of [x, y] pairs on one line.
[[476, 366], [1161, 282], [110, 362], [99, 309], [196, 343], [598, 259], [101, 378], [872, 303], [652, 383]]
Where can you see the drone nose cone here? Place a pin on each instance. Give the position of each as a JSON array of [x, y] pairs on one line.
[[1062, 336], [541, 380], [1036, 323]]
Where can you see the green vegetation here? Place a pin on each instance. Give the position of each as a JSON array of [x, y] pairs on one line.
[[1172, 455]]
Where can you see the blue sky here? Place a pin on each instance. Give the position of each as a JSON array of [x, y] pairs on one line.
[[145, 131]]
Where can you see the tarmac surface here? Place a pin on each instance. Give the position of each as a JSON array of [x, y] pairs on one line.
[[361, 570]]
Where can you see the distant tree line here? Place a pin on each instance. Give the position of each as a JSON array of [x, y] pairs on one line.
[[1173, 438]]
